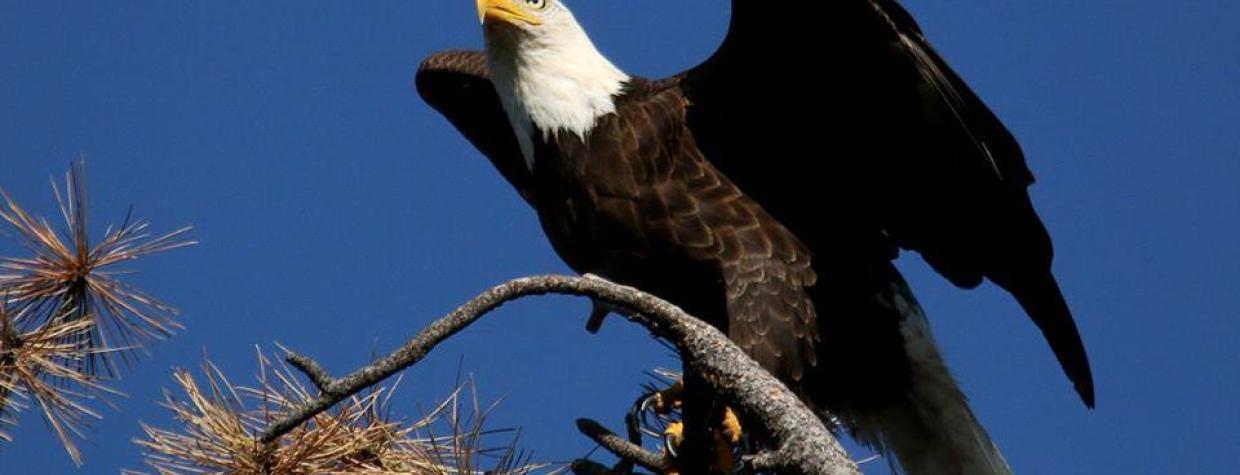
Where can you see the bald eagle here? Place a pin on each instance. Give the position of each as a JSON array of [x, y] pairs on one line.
[[768, 190]]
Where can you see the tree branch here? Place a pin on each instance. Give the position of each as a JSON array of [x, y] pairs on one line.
[[803, 443], [621, 448]]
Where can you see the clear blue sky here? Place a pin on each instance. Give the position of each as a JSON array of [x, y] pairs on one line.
[[338, 214]]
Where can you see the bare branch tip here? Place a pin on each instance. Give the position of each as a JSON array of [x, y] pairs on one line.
[[620, 447], [319, 376]]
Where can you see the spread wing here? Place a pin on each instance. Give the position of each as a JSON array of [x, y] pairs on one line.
[[841, 105], [844, 106], [456, 83]]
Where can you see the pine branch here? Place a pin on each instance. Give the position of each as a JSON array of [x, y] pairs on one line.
[[803, 443]]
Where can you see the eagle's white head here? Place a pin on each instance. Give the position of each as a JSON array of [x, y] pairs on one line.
[[546, 70]]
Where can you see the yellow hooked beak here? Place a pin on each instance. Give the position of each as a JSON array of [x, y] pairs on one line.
[[508, 11]]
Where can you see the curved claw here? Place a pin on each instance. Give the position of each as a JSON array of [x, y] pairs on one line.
[[645, 409], [635, 420], [672, 437], [648, 400]]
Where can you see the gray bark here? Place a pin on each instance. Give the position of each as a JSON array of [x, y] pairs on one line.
[[803, 443]]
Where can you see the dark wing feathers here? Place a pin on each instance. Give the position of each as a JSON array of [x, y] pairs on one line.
[[772, 318], [457, 84], [896, 144], [644, 175], [1016, 253], [664, 198], [985, 132]]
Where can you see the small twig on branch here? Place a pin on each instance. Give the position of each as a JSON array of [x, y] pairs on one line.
[[803, 443], [319, 376]]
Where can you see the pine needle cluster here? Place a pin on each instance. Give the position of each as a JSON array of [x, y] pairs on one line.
[[66, 317], [219, 420]]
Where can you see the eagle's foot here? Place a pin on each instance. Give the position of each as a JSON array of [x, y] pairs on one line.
[[725, 437], [726, 433]]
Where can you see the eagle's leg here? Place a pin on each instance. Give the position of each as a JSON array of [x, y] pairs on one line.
[[696, 450], [665, 401]]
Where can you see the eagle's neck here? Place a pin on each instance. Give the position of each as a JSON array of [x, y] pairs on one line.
[[551, 82]]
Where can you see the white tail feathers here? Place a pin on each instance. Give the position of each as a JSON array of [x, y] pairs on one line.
[[931, 431]]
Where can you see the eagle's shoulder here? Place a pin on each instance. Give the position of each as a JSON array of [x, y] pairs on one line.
[[640, 92]]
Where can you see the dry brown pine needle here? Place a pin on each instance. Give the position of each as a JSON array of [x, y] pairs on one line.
[[43, 364], [219, 421], [66, 278]]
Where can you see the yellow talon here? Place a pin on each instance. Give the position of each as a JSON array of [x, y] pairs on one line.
[[672, 437], [726, 435]]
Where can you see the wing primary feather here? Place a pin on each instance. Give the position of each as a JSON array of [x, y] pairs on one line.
[[1045, 304]]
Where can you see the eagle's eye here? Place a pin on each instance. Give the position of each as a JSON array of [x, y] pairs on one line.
[[536, 4]]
